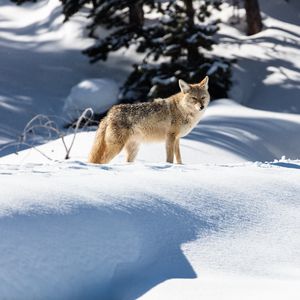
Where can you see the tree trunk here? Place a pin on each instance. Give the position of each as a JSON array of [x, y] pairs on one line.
[[193, 52], [254, 23], [136, 14]]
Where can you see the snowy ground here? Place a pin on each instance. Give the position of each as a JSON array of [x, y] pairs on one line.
[[35, 46], [223, 226], [182, 232], [219, 226], [267, 75], [228, 133], [229, 231]]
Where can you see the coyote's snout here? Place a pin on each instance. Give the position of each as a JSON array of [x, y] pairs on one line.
[[129, 125]]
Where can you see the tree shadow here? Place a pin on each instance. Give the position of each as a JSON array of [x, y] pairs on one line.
[[55, 73], [285, 11], [293, 33], [283, 97], [253, 139], [47, 24], [285, 165], [268, 80]]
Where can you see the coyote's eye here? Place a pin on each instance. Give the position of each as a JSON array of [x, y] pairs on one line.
[[202, 98]]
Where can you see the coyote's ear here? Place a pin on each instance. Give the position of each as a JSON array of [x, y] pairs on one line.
[[204, 83], [185, 87]]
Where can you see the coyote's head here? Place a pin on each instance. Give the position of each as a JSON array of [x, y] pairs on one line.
[[195, 96]]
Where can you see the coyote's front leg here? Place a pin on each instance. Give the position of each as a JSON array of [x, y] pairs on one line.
[[170, 147], [177, 152]]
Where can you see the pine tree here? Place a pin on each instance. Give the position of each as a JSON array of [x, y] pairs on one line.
[[253, 17], [124, 17], [176, 45]]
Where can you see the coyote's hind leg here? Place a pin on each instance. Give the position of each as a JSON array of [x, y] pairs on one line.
[[131, 148], [111, 150]]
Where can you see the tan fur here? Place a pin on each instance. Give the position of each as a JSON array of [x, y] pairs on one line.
[[129, 125]]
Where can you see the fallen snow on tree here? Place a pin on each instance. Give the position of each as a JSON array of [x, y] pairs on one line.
[[99, 94]]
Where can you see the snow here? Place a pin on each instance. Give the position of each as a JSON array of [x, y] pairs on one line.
[[41, 62], [155, 230], [268, 69], [100, 94], [163, 81], [68, 228], [228, 133], [215, 66], [225, 225], [197, 36]]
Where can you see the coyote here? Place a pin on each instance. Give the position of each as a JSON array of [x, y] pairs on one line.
[[128, 125]]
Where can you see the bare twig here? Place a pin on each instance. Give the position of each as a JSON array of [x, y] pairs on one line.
[[81, 118], [26, 144], [43, 122], [38, 150]]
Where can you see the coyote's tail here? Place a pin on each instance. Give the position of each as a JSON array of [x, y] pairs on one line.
[[98, 148]]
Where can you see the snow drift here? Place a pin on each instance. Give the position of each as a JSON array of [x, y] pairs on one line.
[[228, 133], [100, 94], [223, 226], [67, 231], [124, 231]]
